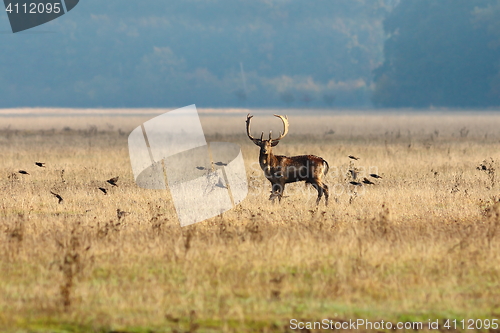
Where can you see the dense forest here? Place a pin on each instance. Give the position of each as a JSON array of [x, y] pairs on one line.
[[257, 53], [209, 52]]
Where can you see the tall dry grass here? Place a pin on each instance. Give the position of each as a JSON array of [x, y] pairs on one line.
[[423, 243]]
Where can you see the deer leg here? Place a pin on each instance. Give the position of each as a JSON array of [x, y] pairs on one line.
[[277, 191], [319, 188], [282, 190], [327, 194]]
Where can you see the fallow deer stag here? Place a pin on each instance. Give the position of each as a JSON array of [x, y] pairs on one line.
[[281, 170]]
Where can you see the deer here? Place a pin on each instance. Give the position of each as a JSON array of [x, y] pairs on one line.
[[281, 170]]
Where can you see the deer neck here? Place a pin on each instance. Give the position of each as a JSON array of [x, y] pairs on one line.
[[267, 161]]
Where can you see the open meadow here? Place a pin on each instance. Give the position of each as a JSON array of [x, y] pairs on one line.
[[422, 243]]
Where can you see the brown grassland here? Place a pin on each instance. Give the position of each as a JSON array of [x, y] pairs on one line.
[[422, 243]]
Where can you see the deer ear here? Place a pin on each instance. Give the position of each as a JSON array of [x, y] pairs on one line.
[[274, 143], [257, 142]]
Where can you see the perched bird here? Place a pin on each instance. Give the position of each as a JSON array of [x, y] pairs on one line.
[[368, 182], [113, 181], [23, 172], [57, 196], [220, 164], [356, 183], [121, 214], [103, 190], [374, 175], [40, 164], [354, 174], [353, 157]]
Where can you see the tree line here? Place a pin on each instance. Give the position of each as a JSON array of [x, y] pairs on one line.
[[443, 53]]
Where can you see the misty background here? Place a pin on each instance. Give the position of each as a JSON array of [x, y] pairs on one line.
[[257, 53]]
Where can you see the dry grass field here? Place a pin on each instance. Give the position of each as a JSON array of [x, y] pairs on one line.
[[422, 243]]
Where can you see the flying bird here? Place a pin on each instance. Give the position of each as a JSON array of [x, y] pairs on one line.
[[368, 182], [23, 172], [356, 183], [103, 190], [200, 168], [57, 196], [40, 164], [353, 157], [113, 181], [374, 175], [220, 164]]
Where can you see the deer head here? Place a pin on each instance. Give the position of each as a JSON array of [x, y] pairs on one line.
[[265, 145]]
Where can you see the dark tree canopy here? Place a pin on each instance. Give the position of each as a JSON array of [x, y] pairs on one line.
[[440, 53], [159, 53]]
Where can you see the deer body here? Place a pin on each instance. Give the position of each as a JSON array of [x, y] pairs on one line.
[[281, 170]]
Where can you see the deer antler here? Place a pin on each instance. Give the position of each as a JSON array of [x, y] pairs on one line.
[[284, 119], [249, 117]]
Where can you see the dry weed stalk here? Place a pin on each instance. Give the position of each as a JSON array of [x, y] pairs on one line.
[[487, 166], [493, 216], [71, 265], [15, 234]]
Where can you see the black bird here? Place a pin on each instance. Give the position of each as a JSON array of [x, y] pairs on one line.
[[113, 181], [353, 157], [103, 190], [220, 164], [368, 182], [23, 172], [356, 183], [40, 164], [121, 214], [374, 175], [200, 168], [354, 174], [57, 196]]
